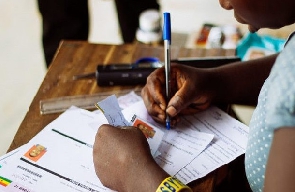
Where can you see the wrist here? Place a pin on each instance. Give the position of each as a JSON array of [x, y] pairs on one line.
[[147, 178], [172, 184]]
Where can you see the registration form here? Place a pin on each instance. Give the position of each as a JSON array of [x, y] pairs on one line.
[[59, 158]]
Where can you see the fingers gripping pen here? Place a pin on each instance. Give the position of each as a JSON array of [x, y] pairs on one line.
[[167, 44]]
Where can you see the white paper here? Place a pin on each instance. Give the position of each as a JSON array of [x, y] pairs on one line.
[[230, 142], [230, 139], [66, 163], [128, 99], [179, 148]]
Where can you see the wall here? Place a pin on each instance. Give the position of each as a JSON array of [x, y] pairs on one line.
[[187, 16]]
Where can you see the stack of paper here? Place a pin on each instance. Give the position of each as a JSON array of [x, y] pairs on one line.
[[59, 158]]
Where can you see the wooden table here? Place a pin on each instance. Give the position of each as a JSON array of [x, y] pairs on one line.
[[80, 57]]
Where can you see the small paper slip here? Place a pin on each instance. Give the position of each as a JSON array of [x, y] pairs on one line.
[[112, 111]]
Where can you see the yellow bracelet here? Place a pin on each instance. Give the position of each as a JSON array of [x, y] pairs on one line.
[[171, 184]]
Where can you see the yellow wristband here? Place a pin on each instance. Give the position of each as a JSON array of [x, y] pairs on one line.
[[171, 184]]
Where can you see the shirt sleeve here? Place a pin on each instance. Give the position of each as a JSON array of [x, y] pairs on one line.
[[280, 109]]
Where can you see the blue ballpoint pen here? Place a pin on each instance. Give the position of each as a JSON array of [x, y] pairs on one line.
[[167, 44]]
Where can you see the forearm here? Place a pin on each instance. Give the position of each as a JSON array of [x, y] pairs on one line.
[[240, 83], [147, 178], [280, 169], [152, 177]]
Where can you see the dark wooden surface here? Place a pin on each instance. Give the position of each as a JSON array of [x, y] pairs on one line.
[[80, 57]]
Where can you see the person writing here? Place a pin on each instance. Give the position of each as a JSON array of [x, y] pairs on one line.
[[121, 156]]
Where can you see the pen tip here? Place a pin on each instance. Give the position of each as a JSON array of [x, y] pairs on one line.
[[167, 125]]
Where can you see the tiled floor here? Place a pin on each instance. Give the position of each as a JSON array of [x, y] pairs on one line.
[[21, 57]]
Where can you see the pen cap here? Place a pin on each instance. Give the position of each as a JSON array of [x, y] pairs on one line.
[[167, 27]]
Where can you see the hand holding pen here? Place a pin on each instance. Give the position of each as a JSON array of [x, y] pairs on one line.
[[186, 97], [167, 50]]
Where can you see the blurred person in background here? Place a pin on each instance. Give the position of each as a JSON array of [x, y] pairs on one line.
[[69, 19]]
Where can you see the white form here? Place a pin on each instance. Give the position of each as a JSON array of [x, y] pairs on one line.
[[230, 139], [56, 159], [68, 143]]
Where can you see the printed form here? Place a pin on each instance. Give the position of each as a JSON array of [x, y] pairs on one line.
[[59, 158], [229, 142]]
